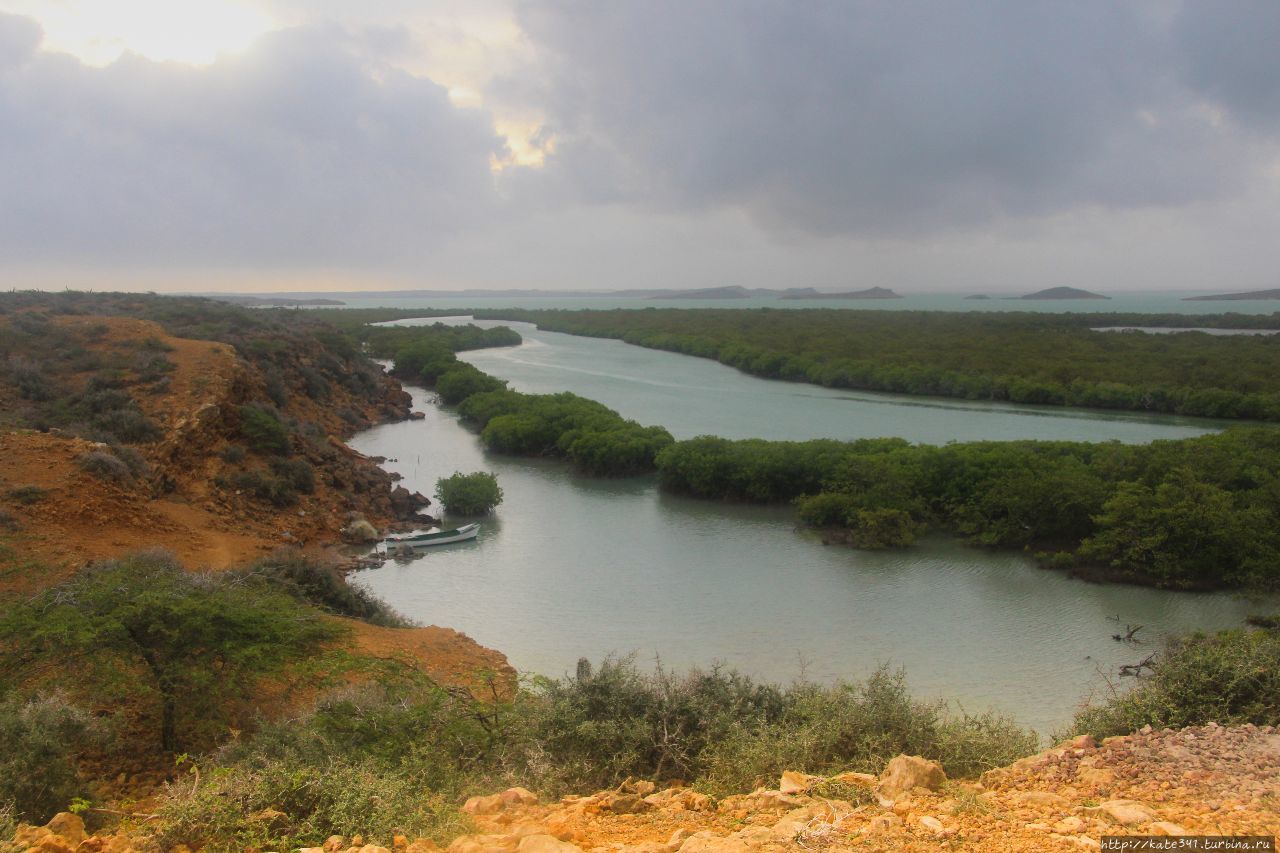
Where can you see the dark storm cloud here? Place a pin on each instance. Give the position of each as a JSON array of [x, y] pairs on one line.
[[307, 149], [1230, 52], [873, 117]]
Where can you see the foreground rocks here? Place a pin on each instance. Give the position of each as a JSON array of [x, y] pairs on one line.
[[1203, 780]]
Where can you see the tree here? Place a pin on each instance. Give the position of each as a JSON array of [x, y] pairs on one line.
[[469, 494], [196, 642]]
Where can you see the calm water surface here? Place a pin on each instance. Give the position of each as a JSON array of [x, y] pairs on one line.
[[572, 566]]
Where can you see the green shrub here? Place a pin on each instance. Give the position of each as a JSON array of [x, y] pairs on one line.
[[1229, 678], [298, 473], [39, 739], [263, 431], [462, 380], [325, 586], [276, 491], [469, 494], [192, 643], [345, 797]]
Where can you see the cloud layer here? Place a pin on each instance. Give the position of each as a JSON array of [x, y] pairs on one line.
[[839, 116], [714, 141], [308, 150]]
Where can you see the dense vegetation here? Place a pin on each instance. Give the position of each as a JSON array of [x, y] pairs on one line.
[[469, 494], [1046, 359], [589, 434], [1193, 513], [384, 760], [143, 626], [1229, 678]]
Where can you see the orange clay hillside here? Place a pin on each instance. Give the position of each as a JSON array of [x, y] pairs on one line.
[[117, 436]]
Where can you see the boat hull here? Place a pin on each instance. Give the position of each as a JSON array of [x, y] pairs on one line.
[[425, 540]]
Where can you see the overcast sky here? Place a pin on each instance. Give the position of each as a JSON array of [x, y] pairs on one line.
[[941, 146]]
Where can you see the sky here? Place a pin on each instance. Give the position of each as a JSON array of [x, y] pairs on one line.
[[987, 146]]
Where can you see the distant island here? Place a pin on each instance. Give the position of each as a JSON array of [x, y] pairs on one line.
[[1274, 293], [810, 293], [733, 292], [1063, 293], [275, 301]]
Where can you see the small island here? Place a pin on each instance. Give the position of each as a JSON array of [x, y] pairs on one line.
[[869, 293], [732, 292], [1274, 293], [1063, 293]]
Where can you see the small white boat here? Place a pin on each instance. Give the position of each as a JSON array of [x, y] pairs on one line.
[[438, 537]]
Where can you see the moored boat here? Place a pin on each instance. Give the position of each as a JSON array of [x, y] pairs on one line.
[[438, 537]]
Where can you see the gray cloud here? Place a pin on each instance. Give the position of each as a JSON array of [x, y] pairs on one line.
[[1229, 51], [307, 150], [835, 116]]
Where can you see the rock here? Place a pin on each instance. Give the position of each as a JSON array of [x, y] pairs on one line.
[[1096, 777], [1079, 742], [1167, 827], [932, 824], [522, 797], [794, 782], [1070, 826], [300, 850], [543, 843], [561, 825], [883, 823], [623, 804], [27, 835], [484, 844], [865, 780], [68, 826], [490, 804], [705, 842], [1039, 798], [373, 848], [334, 843], [360, 532], [1126, 812], [910, 771], [53, 844], [639, 787]]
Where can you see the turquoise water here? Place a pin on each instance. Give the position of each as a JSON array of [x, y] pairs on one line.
[[571, 566]]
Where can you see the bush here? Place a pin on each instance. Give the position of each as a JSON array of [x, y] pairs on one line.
[[469, 494], [325, 586], [1229, 678], [298, 473], [345, 797], [194, 644], [26, 495], [233, 454], [276, 491], [39, 738], [105, 466], [263, 431], [127, 424]]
